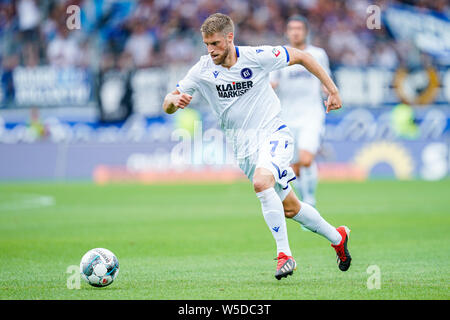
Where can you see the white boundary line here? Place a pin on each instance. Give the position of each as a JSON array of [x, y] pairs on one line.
[[21, 201]]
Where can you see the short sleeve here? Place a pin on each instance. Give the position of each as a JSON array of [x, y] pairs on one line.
[[189, 84], [272, 58]]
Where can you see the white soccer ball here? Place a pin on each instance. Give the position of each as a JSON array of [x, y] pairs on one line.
[[99, 267]]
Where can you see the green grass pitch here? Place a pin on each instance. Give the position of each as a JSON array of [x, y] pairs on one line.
[[211, 241]]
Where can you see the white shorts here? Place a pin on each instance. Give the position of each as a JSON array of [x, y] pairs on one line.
[[308, 137], [275, 154]]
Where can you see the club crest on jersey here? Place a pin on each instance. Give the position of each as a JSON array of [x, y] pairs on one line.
[[246, 73], [276, 52], [215, 74]]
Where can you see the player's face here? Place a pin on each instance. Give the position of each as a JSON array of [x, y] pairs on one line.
[[296, 32], [218, 46]]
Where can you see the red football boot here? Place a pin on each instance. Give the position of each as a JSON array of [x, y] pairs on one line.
[[285, 266], [343, 256]]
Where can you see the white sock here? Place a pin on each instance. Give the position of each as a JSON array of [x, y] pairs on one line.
[[310, 218], [273, 213], [306, 184]]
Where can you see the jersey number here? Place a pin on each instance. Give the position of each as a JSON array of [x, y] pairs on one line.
[[275, 144]]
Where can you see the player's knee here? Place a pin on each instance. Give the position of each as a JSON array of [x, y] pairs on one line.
[[306, 160], [261, 183]]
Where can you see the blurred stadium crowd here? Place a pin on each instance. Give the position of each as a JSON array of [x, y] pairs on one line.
[[145, 33]]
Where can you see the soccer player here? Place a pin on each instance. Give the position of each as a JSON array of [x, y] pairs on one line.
[[302, 108], [235, 83]]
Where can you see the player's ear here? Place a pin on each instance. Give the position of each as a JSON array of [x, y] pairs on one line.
[[230, 36]]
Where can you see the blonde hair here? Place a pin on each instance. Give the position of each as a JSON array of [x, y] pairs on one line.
[[217, 22]]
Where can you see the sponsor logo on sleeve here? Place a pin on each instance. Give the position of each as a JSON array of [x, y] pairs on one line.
[[276, 52]]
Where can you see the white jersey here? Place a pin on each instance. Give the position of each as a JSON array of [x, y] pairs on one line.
[[241, 97], [300, 91]]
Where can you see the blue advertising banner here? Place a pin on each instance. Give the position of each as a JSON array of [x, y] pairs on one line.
[[428, 30], [46, 86], [360, 87], [377, 87]]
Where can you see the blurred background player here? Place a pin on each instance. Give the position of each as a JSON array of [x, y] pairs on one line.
[[302, 107]]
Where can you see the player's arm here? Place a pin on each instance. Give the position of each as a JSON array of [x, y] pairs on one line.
[[305, 59], [182, 95], [176, 100], [325, 63]]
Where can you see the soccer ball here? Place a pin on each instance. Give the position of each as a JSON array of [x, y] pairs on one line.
[[99, 267]]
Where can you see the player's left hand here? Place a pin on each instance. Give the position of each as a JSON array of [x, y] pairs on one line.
[[334, 102]]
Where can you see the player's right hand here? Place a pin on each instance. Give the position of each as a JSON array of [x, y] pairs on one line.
[[182, 100], [334, 102]]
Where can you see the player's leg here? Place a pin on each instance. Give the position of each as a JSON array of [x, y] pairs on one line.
[[307, 177], [307, 141], [311, 219], [273, 212], [272, 208]]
